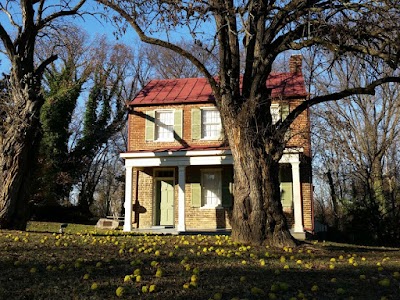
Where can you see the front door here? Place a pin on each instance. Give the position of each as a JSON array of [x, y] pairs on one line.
[[165, 202]]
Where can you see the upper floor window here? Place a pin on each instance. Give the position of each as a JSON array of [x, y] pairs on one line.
[[164, 129], [163, 125], [275, 113], [279, 112], [206, 124], [210, 124]]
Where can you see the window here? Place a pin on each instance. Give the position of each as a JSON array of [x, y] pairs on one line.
[[206, 124], [275, 113], [164, 125], [211, 188], [210, 124], [279, 111]]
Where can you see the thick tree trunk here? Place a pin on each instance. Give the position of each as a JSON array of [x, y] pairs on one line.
[[19, 143], [258, 217]]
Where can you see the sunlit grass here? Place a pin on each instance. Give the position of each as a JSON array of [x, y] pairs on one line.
[[85, 263]]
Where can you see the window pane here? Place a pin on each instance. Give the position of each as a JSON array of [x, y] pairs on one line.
[[164, 125], [275, 113], [211, 188], [211, 124]]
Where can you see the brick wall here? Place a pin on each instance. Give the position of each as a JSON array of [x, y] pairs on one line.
[[299, 129], [137, 125]]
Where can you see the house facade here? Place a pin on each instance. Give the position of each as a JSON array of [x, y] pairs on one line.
[[179, 169]]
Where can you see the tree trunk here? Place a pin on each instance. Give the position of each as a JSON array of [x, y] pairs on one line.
[[19, 143], [258, 217], [333, 199]]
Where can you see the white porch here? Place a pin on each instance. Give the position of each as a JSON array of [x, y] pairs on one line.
[[183, 159]]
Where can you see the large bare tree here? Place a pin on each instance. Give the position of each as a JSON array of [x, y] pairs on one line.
[[254, 33], [28, 20]]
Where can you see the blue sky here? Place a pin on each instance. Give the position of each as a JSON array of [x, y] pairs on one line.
[[93, 26]]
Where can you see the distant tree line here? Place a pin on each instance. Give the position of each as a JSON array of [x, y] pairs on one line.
[[356, 146]]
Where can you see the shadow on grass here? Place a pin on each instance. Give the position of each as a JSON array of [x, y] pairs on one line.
[[232, 270]]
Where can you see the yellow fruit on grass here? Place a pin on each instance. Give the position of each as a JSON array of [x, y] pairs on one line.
[[152, 288], [384, 282], [314, 288], [94, 286], [340, 291], [217, 296], [256, 291], [159, 272], [272, 296], [119, 291]]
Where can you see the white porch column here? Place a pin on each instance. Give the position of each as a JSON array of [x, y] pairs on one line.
[[298, 212], [181, 197], [128, 199]]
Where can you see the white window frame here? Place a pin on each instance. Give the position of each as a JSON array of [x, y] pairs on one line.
[[158, 125], [203, 110], [205, 203], [275, 112]]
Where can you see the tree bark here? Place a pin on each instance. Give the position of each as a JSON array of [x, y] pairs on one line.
[[258, 217], [19, 145]]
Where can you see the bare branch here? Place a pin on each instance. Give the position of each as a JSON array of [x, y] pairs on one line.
[[367, 90], [61, 13], [150, 40]]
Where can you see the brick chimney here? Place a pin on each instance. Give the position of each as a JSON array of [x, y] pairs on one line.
[[295, 63]]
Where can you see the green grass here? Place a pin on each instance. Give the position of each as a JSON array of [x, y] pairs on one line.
[[42, 264]]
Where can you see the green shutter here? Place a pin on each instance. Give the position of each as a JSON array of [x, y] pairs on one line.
[[196, 124], [284, 110], [150, 125], [286, 194], [196, 194], [178, 123], [227, 187]]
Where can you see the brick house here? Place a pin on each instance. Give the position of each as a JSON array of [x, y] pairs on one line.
[[179, 170]]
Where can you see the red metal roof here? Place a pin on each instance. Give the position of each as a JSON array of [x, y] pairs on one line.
[[195, 90]]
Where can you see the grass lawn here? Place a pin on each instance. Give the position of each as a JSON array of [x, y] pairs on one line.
[[86, 264]]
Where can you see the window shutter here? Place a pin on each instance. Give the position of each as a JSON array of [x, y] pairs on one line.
[[150, 125], [196, 194], [285, 110], [178, 123], [286, 194], [196, 124], [227, 188]]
